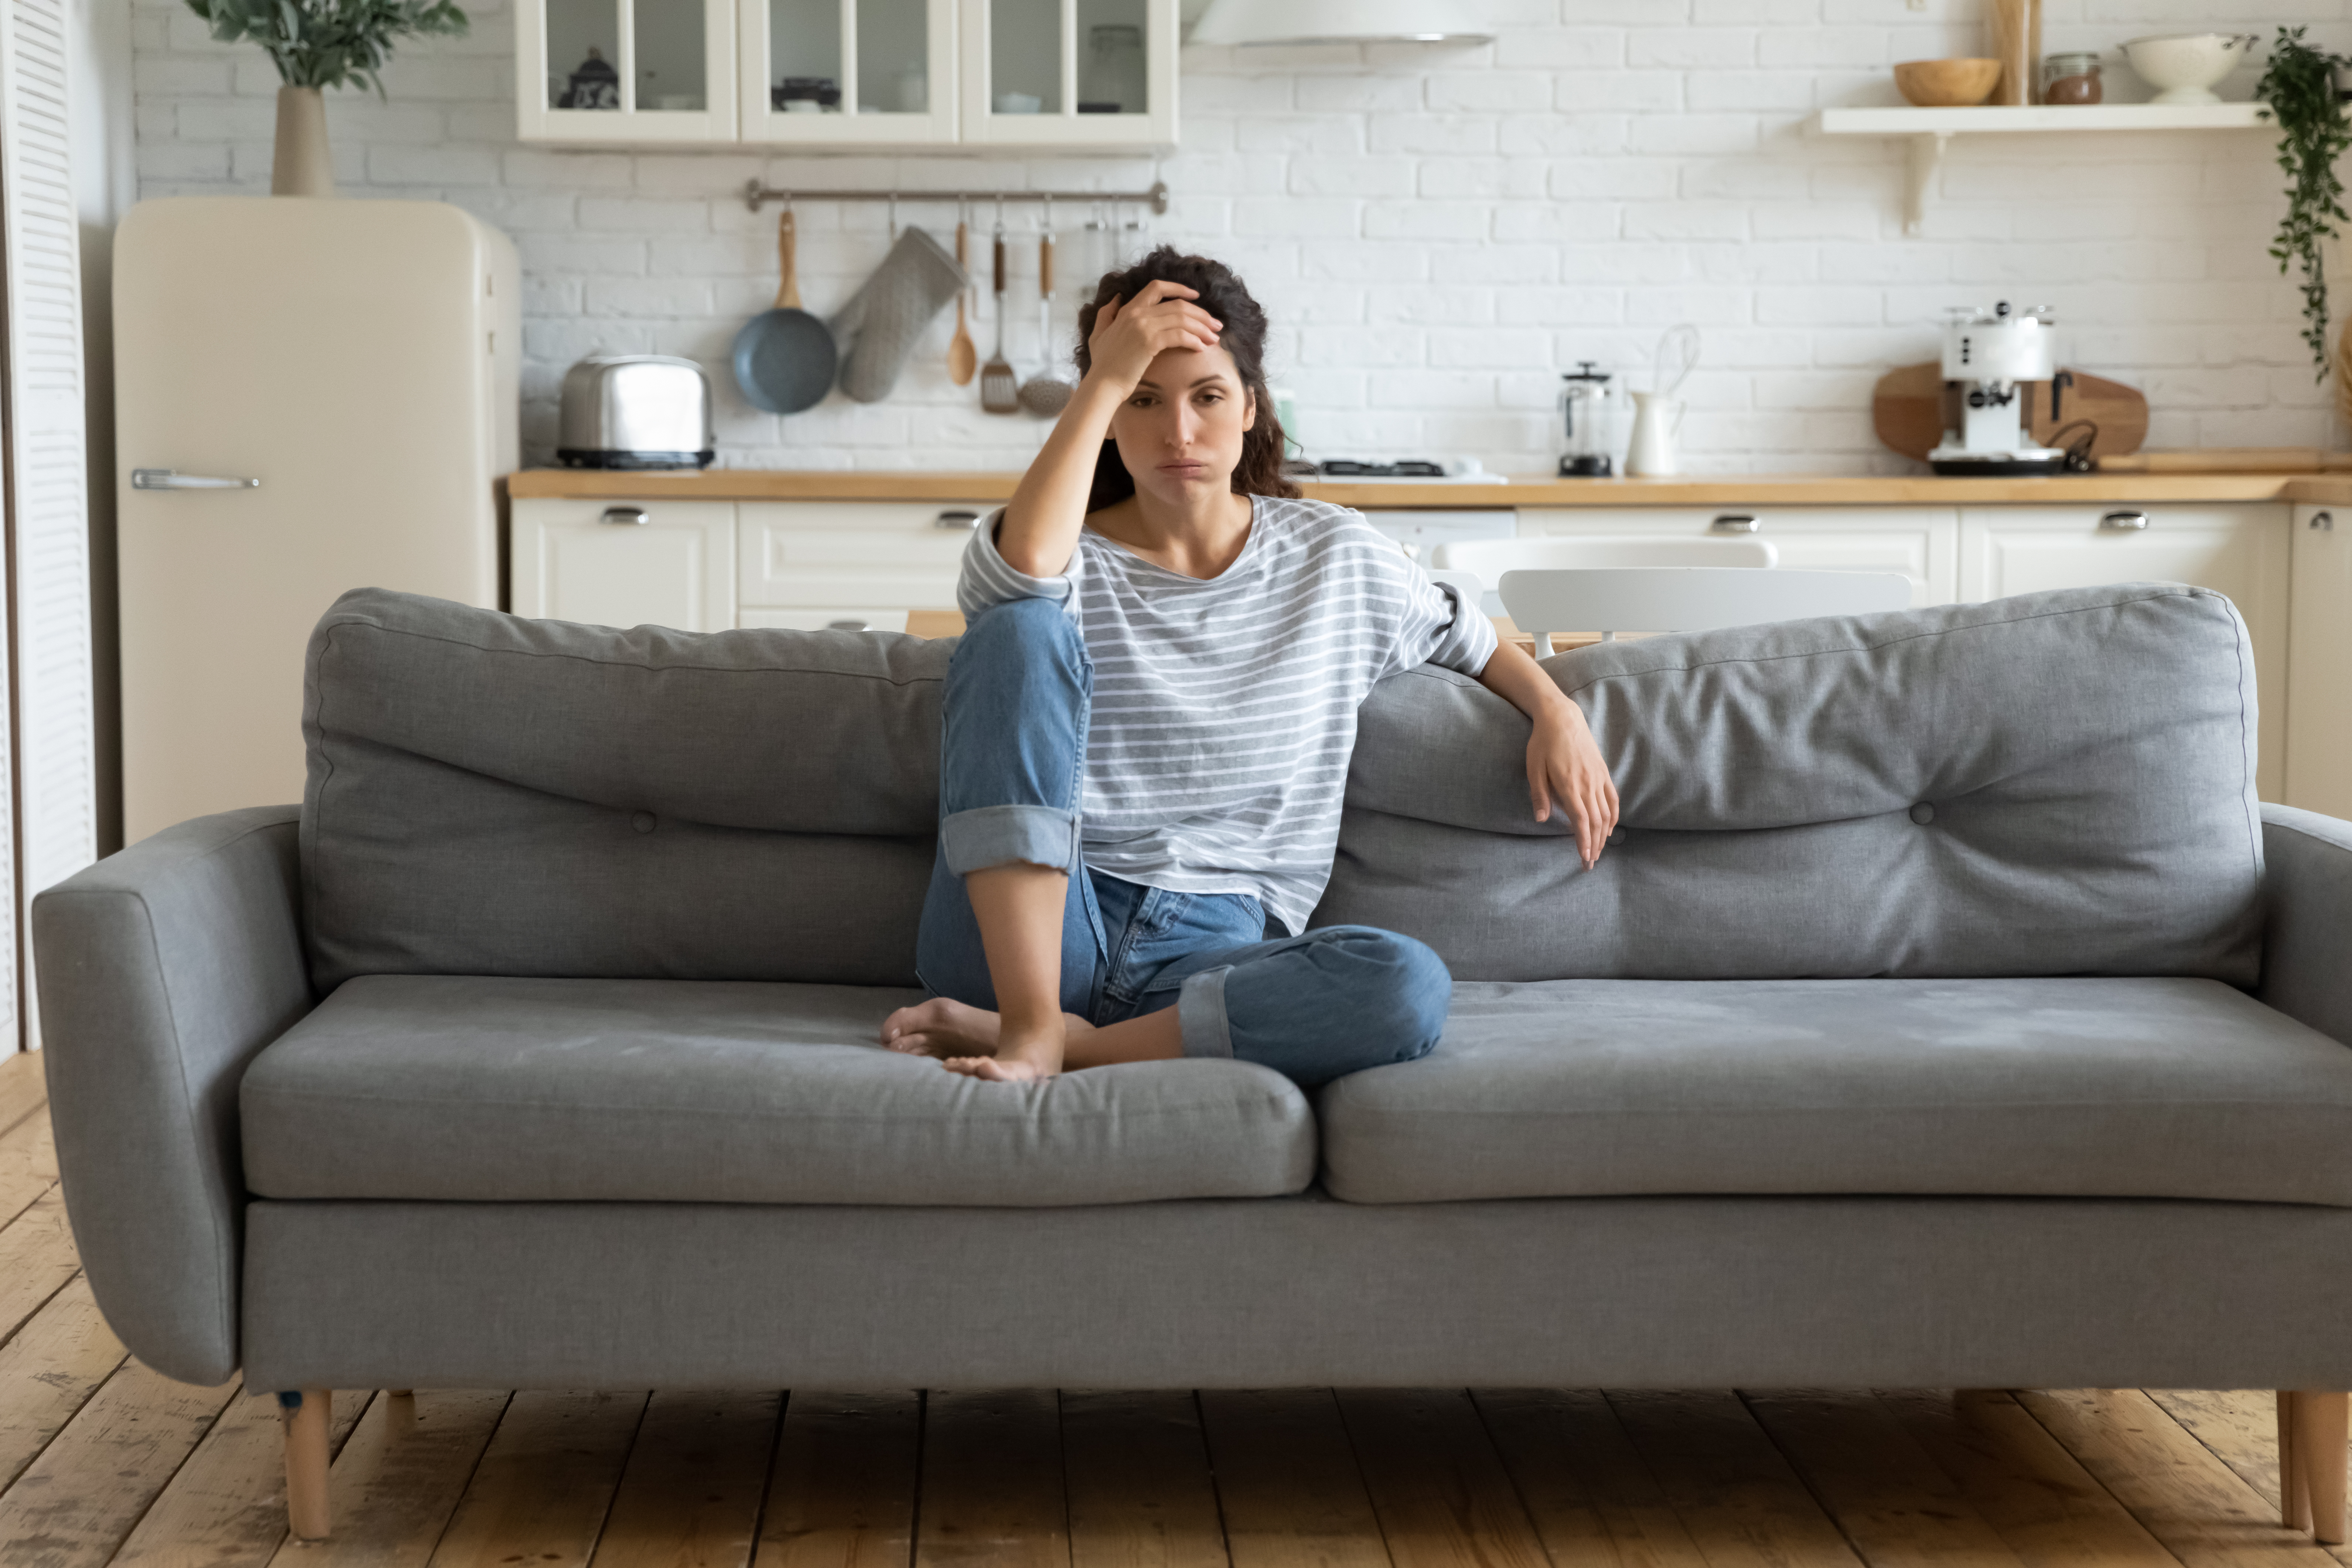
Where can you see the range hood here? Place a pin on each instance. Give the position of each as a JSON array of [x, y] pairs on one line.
[[1341, 22]]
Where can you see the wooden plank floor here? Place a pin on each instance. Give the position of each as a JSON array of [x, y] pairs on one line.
[[102, 1462]]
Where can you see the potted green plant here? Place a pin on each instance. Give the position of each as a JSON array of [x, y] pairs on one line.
[[2299, 85], [316, 44]]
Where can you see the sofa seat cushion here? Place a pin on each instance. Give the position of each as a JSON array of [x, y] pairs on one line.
[[722, 1091], [2060, 1088]]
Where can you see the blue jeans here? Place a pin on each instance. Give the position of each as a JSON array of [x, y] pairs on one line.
[[1012, 765]]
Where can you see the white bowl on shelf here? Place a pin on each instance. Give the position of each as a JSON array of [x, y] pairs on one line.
[[2183, 67]]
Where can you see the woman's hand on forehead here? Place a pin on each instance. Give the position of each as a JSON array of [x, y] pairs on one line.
[[1129, 335]]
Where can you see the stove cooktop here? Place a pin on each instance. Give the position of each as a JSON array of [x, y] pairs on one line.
[[1405, 470]]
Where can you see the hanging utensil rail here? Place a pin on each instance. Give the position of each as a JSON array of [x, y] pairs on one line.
[[756, 195]]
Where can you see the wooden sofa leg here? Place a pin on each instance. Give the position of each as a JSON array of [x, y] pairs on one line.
[[2295, 1498], [307, 1415], [2320, 1431]]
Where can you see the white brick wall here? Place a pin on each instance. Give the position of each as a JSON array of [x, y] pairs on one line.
[[1438, 232]]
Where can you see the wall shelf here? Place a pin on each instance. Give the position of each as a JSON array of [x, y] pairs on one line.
[[1932, 130]]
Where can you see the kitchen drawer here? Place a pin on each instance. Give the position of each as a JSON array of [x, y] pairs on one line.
[[594, 560], [854, 556], [823, 620], [2241, 551], [1920, 543]]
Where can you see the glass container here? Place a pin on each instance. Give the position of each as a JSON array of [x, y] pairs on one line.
[[2071, 79], [1111, 77], [1588, 412]]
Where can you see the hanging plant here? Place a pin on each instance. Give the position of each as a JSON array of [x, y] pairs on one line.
[[329, 43], [2299, 85]]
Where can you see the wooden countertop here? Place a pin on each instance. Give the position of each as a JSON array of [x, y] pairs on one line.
[[1781, 490]]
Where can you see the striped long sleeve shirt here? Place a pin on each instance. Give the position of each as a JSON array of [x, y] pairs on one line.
[[1224, 709]]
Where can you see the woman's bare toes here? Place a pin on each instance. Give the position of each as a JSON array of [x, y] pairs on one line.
[[992, 1070], [940, 1027]]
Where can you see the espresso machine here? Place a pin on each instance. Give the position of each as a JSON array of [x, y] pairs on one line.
[[1989, 359]]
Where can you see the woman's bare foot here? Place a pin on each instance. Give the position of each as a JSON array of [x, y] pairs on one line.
[[951, 1031]]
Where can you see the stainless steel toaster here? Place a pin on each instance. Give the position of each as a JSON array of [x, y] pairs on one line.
[[634, 411]]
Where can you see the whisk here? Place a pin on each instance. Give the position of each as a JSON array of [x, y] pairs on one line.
[[1677, 353]]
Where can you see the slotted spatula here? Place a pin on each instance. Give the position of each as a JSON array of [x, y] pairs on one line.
[[1000, 389]]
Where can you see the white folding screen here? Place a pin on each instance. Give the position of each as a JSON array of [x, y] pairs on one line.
[[51, 739]]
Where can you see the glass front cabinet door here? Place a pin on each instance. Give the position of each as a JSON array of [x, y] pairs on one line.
[[848, 72], [626, 72], [1069, 73]]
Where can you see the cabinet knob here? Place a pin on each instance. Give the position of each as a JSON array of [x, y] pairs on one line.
[[2123, 520], [963, 520], [625, 514], [1736, 523], [2324, 522]]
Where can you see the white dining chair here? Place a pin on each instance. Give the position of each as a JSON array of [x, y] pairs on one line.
[[1687, 599], [1490, 558]]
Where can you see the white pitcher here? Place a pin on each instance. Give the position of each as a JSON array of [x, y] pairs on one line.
[[1657, 418]]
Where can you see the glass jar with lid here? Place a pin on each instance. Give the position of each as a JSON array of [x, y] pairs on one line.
[[1588, 412], [2071, 78]]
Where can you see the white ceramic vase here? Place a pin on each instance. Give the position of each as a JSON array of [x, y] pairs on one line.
[[1650, 453]]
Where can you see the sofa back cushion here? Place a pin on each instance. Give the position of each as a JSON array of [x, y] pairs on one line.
[[491, 796], [2057, 784]]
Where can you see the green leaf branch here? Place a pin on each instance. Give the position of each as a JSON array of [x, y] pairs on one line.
[[329, 42], [2299, 85]]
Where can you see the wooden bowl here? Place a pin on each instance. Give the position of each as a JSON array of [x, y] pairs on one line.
[[1947, 84]]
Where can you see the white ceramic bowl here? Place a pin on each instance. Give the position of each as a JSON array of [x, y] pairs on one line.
[[1018, 103], [2183, 67]]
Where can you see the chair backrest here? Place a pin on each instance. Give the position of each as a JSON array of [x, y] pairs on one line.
[[1696, 599], [1471, 588], [1490, 558]]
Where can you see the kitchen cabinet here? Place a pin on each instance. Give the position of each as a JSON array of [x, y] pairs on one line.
[[891, 66], [1084, 73], [2320, 656], [1078, 75], [1921, 544], [2240, 551], [824, 560], [626, 563], [648, 73]]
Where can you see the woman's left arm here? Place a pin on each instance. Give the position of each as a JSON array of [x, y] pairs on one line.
[[1564, 764]]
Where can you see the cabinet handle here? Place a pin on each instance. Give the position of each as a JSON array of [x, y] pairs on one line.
[[2121, 521], [172, 480], [847, 627], [963, 520], [2324, 522], [625, 514], [1736, 523]]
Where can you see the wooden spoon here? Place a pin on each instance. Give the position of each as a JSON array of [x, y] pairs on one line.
[[963, 358]]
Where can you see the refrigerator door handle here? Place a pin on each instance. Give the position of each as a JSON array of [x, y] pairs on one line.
[[172, 480]]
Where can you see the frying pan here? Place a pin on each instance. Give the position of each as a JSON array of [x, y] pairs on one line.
[[784, 357]]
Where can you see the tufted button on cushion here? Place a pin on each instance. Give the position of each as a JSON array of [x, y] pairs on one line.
[[643, 822], [1923, 814]]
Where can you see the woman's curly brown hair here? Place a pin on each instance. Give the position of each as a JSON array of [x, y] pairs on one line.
[[1224, 296]]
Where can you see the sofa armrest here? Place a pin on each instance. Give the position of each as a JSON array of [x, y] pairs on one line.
[[2307, 932], [163, 970]]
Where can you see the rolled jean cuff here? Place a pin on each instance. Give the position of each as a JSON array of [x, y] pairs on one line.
[[989, 835], [1200, 1013]]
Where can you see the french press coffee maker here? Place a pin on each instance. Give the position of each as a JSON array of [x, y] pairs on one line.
[[1587, 410]]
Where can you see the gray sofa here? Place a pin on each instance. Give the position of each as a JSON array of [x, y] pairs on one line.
[[1947, 1012]]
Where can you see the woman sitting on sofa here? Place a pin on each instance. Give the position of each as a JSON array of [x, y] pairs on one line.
[[1148, 724]]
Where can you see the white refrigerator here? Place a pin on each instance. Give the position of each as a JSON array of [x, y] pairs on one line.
[[311, 394]]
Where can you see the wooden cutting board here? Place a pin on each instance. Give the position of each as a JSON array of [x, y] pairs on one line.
[[1907, 408]]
